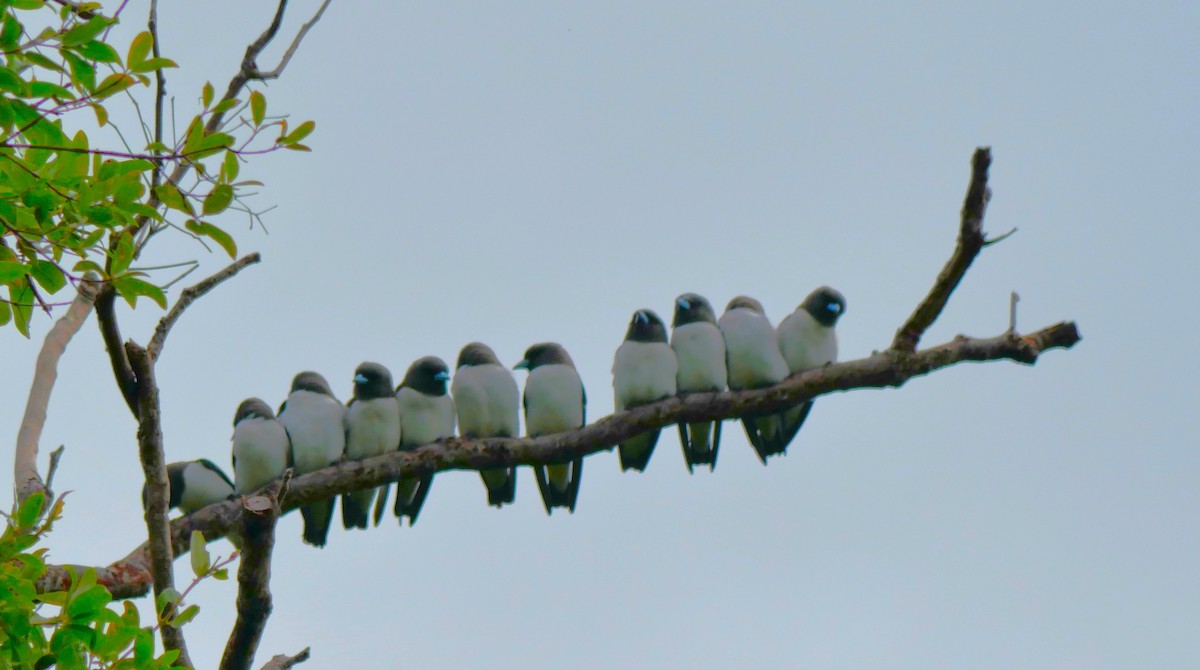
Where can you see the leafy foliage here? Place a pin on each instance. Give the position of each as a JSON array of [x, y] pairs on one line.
[[79, 627], [68, 208]]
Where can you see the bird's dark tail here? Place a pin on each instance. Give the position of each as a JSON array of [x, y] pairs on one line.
[[410, 496], [356, 509], [381, 504], [317, 518], [700, 443], [793, 419], [555, 491], [501, 485], [765, 433], [635, 452]]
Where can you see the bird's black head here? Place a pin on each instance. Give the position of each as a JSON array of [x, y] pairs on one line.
[[174, 485], [746, 302], [645, 326], [371, 381], [544, 353], [692, 308], [476, 353], [311, 381], [826, 305], [427, 375], [252, 408]]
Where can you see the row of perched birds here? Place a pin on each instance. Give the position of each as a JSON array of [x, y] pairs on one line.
[[313, 430]]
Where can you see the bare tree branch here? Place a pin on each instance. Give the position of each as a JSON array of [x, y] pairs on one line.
[[26, 479], [106, 317], [284, 662], [291, 50], [189, 296], [970, 243], [150, 453], [160, 92], [881, 370], [259, 514]]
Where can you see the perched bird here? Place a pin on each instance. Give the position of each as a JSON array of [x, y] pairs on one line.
[[194, 485], [372, 428], [486, 397], [644, 370], [807, 340], [753, 360], [554, 403], [426, 415], [260, 446], [314, 419], [700, 350]]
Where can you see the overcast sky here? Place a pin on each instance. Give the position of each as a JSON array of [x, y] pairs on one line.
[[516, 173]]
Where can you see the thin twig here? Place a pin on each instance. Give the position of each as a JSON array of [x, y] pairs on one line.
[[1012, 311], [291, 50], [284, 662], [25, 475], [189, 296], [259, 514], [970, 242], [55, 457], [160, 92]]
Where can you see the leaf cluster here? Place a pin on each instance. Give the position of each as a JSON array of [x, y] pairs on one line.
[[67, 207]]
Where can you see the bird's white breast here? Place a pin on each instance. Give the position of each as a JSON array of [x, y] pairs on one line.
[[751, 350], [202, 487], [424, 418], [700, 350], [372, 427], [314, 422], [643, 372], [805, 343], [553, 400], [486, 400], [260, 452]]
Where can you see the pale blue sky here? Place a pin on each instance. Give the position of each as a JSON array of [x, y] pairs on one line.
[[518, 173]]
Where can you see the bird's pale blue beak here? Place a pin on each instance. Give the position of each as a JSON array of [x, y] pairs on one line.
[[442, 376], [640, 316], [360, 378], [833, 307], [683, 303], [523, 365]]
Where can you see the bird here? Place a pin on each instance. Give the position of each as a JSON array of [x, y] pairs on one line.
[[753, 360], [644, 370], [807, 340], [193, 485], [314, 419], [426, 415], [487, 402], [700, 350], [372, 428], [261, 447], [555, 402]]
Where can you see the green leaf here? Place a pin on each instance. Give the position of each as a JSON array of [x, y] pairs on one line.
[[185, 616], [49, 275], [121, 254], [171, 197], [199, 554], [218, 199], [221, 574], [302, 131], [27, 4], [231, 166], [41, 61], [83, 73], [22, 305], [99, 52], [218, 235], [11, 270], [44, 89], [5, 314], [11, 82], [30, 510], [10, 33], [87, 601], [112, 85], [153, 64], [139, 48], [84, 32], [206, 94], [169, 596], [258, 107], [225, 105], [101, 114], [130, 287]]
